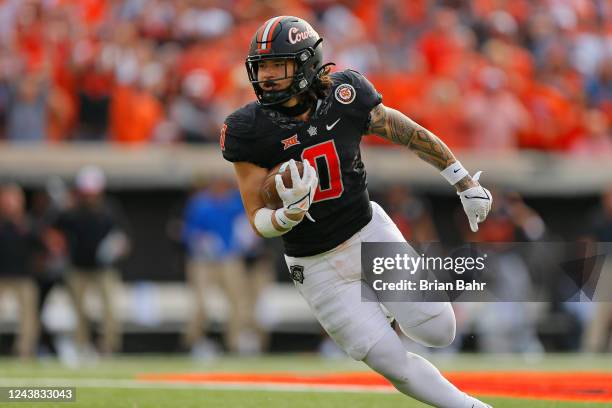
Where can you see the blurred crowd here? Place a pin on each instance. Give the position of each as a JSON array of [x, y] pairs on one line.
[[482, 74], [77, 237]]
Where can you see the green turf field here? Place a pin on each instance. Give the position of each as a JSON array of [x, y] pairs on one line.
[[112, 383]]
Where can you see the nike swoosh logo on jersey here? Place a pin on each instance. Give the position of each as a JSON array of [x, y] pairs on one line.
[[456, 170], [330, 127]]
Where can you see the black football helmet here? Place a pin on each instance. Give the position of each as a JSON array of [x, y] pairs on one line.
[[290, 38]]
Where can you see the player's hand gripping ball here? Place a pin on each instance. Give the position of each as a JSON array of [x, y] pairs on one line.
[[268, 191]]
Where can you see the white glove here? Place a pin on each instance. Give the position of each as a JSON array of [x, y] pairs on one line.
[[476, 203], [299, 197]]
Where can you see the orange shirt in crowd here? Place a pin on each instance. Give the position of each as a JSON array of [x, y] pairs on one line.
[[134, 115], [440, 52], [430, 101], [556, 120], [400, 91], [62, 114], [442, 112], [91, 12]]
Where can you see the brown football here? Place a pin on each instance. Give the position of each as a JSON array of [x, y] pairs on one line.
[[268, 192]]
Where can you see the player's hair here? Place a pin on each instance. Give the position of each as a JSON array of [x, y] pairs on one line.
[[322, 84]]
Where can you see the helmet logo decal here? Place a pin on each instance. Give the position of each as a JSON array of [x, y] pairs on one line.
[[345, 94], [296, 36]]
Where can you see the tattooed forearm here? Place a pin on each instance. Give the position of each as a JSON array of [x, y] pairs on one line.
[[398, 128], [392, 125], [431, 149]]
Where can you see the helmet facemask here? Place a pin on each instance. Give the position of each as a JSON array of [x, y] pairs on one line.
[[306, 65]]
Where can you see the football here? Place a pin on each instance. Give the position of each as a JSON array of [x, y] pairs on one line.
[[268, 191]]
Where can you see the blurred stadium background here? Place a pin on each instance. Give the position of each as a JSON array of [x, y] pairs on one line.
[[121, 101]]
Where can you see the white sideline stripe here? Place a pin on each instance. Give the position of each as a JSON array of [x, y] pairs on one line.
[[127, 383]]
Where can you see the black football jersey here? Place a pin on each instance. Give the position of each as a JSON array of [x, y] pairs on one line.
[[330, 141]]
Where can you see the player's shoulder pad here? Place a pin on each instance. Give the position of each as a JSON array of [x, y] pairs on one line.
[[351, 87], [238, 133], [241, 122]]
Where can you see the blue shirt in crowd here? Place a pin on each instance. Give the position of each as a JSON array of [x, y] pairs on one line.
[[209, 230]]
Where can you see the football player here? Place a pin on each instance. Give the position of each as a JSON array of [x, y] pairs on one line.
[[303, 112]]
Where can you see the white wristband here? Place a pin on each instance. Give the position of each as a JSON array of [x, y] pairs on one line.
[[283, 221], [263, 222], [454, 173]]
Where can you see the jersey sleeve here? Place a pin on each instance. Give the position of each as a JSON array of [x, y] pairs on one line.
[[236, 139], [359, 104], [366, 96]]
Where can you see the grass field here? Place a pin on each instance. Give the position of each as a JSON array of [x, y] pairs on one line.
[[122, 382]]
